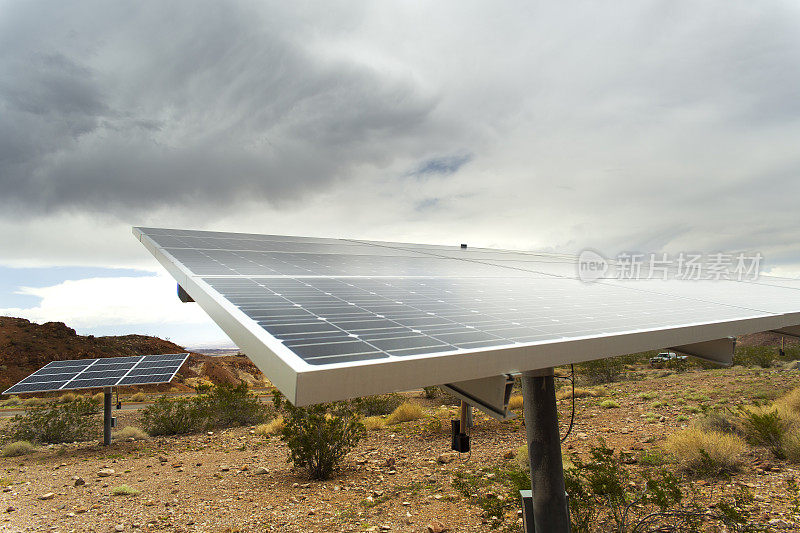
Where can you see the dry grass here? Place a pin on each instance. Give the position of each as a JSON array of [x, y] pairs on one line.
[[595, 392], [273, 427], [131, 432], [706, 452], [125, 490], [515, 402], [789, 401], [68, 397], [12, 401], [791, 445], [15, 449], [138, 397], [373, 423], [406, 412], [35, 402], [609, 404]]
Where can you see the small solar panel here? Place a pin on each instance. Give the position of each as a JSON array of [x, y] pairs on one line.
[[327, 319], [105, 372]]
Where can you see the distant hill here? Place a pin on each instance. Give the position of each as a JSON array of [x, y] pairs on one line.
[[26, 346]]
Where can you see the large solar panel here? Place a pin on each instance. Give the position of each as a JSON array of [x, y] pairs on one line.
[[105, 372], [327, 319]]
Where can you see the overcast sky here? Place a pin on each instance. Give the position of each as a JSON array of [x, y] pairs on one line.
[[557, 126]]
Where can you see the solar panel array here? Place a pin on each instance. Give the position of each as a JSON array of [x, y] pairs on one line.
[[104, 372]]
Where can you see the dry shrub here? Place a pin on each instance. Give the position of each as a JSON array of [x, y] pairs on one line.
[[98, 397], [595, 392], [15, 449], [138, 397], [125, 490], [790, 401], [515, 402], [35, 402], [273, 427], [718, 422], [373, 423], [706, 452], [68, 397], [131, 432], [791, 445], [609, 404], [406, 412], [12, 401]]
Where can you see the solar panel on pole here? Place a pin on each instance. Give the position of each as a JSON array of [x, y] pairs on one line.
[[101, 373], [328, 319]]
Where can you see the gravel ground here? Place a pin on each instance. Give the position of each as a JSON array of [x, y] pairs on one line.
[[398, 479]]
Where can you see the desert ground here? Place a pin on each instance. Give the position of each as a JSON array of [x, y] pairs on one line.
[[399, 478]]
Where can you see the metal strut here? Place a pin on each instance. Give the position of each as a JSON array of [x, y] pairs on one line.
[[107, 418], [550, 508]]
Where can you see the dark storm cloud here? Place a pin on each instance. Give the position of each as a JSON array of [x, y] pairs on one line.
[[131, 107]]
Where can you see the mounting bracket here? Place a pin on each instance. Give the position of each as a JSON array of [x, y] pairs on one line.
[[490, 395], [717, 351]]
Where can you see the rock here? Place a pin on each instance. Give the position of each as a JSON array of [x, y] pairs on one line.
[[79, 481], [10, 509], [386, 527], [105, 472], [260, 471], [119, 527], [224, 468], [445, 458], [777, 522], [47, 496], [435, 527]]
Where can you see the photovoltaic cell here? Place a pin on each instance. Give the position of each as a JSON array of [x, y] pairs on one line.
[[105, 372], [317, 304]]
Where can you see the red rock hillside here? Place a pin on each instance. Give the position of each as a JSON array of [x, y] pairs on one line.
[[26, 346]]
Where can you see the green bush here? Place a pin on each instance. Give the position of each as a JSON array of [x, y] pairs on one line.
[[223, 406], [495, 503], [377, 405], [431, 392], [764, 428], [228, 405], [176, 417], [755, 356], [319, 436], [601, 370], [55, 423]]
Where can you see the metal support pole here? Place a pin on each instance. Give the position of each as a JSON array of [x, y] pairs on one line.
[[550, 511], [107, 397]]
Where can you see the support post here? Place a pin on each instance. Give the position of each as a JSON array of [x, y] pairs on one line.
[[107, 397], [550, 510]]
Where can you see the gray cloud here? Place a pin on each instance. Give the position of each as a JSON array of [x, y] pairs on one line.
[[198, 104], [656, 125]]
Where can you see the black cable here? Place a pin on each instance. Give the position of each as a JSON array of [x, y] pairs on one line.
[[572, 417]]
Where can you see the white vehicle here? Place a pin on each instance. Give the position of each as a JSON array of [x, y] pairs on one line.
[[666, 358]]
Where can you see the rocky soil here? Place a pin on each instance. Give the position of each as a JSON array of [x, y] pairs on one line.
[[398, 479]]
